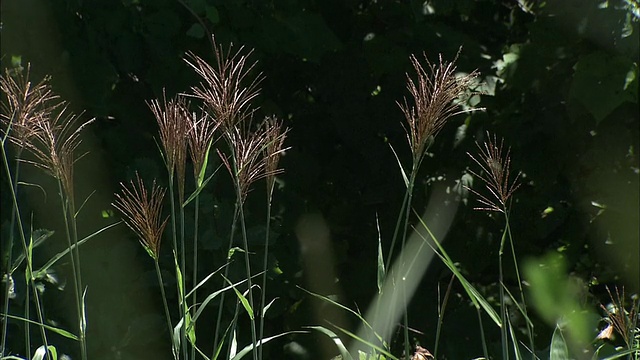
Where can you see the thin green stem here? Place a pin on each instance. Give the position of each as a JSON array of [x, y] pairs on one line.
[[27, 315], [233, 333], [407, 210], [13, 186], [524, 304], [8, 265], [66, 213], [184, 282], [482, 337], [397, 228], [179, 284], [166, 309], [248, 270], [195, 260], [265, 265], [441, 316], [503, 305], [226, 275], [393, 244], [73, 224]]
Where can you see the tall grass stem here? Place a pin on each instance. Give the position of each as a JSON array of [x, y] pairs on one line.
[[13, 184]]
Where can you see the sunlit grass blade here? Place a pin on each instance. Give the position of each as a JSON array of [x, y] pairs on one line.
[[475, 296], [514, 341], [200, 187], [363, 341], [41, 353], [267, 307], [247, 349], [233, 348], [242, 298], [40, 236], [75, 215], [522, 311], [221, 344], [176, 337], [336, 340], [335, 303], [64, 252], [56, 330], [381, 274], [83, 313], [558, 349], [213, 296], [205, 280], [200, 180], [623, 354], [404, 174]]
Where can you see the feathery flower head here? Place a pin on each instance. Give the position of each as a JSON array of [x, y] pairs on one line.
[[174, 122], [495, 165], [200, 138], [142, 213], [224, 93], [434, 94], [25, 104], [275, 136]]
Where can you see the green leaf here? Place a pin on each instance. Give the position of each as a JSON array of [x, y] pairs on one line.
[[558, 349], [335, 303], [404, 174], [336, 340], [602, 82], [41, 352], [367, 343], [555, 296], [191, 329], [40, 236], [202, 184], [64, 252], [56, 330], [381, 271], [264, 311], [213, 296], [212, 14], [476, 298], [247, 349], [83, 319], [205, 280], [233, 251], [196, 31], [178, 278], [242, 298], [16, 61], [219, 349]]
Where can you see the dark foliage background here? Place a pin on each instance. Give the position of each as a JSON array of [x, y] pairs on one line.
[[561, 84]]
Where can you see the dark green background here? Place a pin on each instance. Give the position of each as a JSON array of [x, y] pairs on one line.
[[562, 89]]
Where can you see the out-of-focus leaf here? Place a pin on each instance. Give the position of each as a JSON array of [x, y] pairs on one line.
[[602, 82]]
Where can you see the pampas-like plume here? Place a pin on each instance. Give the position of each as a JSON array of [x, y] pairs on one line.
[[53, 141], [247, 164], [434, 95], [623, 321], [200, 138], [25, 105], [495, 174], [142, 213], [225, 96], [28, 115], [173, 120], [275, 136]]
